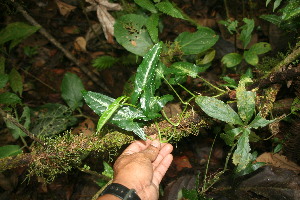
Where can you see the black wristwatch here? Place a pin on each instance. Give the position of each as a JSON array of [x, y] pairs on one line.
[[120, 191]]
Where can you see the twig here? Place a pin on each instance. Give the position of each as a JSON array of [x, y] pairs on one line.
[[43, 31], [11, 119]]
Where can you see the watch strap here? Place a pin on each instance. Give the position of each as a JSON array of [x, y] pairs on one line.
[[120, 191]]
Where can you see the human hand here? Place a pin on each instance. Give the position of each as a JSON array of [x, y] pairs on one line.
[[142, 166]]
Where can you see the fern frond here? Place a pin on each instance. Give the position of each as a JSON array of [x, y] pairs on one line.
[[104, 62]]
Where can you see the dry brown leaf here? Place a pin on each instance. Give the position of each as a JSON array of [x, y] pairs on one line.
[[107, 21], [278, 160], [87, 127], [80, 44], [64, 9]]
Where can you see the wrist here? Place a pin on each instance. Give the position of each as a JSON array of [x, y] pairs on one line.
[[119, 191], [137, 187]]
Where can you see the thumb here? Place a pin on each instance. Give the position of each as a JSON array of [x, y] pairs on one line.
[[152, 150]]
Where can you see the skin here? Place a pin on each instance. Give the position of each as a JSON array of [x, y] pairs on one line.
[[142, 166]]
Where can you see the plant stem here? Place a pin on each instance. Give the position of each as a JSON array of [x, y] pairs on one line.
[[213, 86], [16, 123], [174, 91], [207, 165], [186, 90]]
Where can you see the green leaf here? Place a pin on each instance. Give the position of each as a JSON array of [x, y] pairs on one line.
[[111, 109], [230, 25], [16, 32], [242, 156], [259, 121], [10, 150], [71, 88], [146, 4], [295, 105], [291, 11], [260, 48], [197, 42], [152, 105], [267, 2], [131, 34], [52, 119], [3, 80], [184, 68], [145, 76], [15, 81], [24, 119], [167, 8], [123, 117], [104, 62], [209, 56], [278, 148], [189, 194], [230, 136], [276, 4], [232, 59], [108, 170], [152, 27], [247, 29], [9, 98], [230, 82], [274, 19], [218, 109], [251, 58], [2, 65], [245, 101]]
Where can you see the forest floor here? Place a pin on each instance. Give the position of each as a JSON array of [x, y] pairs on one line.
[[43, 70]]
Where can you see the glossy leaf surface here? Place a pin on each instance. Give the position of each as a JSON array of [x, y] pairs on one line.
[[218, 109], [123, 117], [145, 76], [111, 109]]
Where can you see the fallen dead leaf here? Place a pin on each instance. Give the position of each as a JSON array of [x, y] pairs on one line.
[[107, 21], [80, 44], [64, 9], [278, 160], [87, 127], [182, 162]]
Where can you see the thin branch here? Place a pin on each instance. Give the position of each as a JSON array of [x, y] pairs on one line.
[[11, 119], [43, 31]]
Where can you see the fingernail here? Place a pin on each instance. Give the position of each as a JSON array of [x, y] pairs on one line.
[[155, 143]]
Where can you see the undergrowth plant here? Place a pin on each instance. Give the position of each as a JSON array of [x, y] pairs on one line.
[[245, 34]]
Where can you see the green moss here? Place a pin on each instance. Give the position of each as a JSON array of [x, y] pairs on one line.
[[62, 153]]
